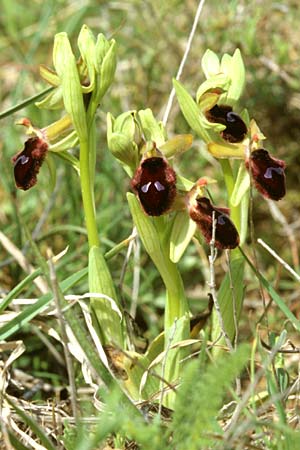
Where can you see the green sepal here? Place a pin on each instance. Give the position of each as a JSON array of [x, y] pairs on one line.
[[216, 84], [108, 69], [176, 145], [87, 46], [242, 185], [210, 64], [52, 171], [153, 130], [52, 101], [69, 141], [72, 160], [102, 47], [66, 68], [49, 75], [120, 139], [183, 230], [234, 67], [107, 311], [190, 110]]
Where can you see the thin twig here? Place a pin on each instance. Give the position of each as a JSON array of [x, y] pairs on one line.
[[64, 337], [212, 282], [183, 61], [280, 260]]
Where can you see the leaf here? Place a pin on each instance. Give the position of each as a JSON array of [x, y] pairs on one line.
[[105, 308], [33, 310], [33, 425], [183, 230], [227, 296]]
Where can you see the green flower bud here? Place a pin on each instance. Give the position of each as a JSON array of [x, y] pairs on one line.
[[120, 138], [66, 68]]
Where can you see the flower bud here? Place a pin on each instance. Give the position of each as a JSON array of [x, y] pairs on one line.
[[27, 163], [267, 173], [201, 211], [235, 130], [155, 184]]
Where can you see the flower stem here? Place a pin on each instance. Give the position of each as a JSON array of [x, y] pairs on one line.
[[87, 195]]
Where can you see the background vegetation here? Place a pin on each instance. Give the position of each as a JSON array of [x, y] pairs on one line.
[[151, 38]]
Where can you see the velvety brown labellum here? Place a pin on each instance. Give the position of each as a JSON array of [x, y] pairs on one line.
[[226, 235], [155, 184], [235, 130], [27, 163], [267, 173]]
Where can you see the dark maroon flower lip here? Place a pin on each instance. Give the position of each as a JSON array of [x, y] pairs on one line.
[[236, 128], [267, 173], [226, 234], [27, 163], [155, 184]]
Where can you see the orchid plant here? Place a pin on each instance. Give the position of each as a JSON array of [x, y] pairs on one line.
[[167, 208]]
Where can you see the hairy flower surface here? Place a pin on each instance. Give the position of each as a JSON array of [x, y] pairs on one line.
[[267, 173], [155, 184], [27, 163], [226, 235], [235, 130]]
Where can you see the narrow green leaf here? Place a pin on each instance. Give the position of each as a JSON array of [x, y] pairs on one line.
[[33, 425], [19, 288], [230, 299], [32, 311], [106, 308]]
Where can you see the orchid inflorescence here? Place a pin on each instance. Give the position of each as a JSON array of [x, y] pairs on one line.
[[139, 142]]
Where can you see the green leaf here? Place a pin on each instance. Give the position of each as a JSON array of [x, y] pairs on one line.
[[106, 308], [33, 310], [32, 424], [230, 299], [183, 230]]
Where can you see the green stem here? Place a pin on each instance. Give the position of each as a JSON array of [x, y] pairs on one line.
[[87, 195]]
